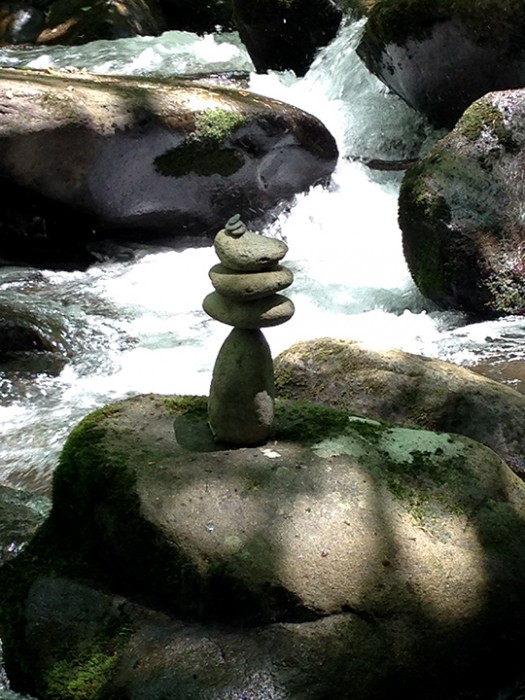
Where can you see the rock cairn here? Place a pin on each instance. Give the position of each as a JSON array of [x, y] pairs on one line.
[[246, 282]]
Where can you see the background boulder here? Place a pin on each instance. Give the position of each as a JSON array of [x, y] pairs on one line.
[[405, 389], [461, 211], [442, 56], [163, 158], [285, 34]]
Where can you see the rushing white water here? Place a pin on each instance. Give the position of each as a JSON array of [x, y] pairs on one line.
[[137, 326]]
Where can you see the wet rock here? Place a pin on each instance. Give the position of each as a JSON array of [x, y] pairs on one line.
[[155, 158], [407, 390], [284, 34], [460, 211], [200, 16], [346, 559], [442, 56], [73, 22]]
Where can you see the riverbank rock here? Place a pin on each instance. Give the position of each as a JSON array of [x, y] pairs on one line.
[[405, 389], [164, 158], [442, 56], [73, 22], [286, 34], [346, 559], [460, 211]]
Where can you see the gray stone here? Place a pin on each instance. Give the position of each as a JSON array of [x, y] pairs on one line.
[[366, 558], [249, 286], [460, 211], [241, 403], [261, 313], [406, 389], [251, 252]]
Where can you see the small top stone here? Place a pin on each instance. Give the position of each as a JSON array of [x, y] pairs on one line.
[[235, 227], [249, 252]]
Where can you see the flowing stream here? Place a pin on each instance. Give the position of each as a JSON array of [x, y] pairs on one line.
[[134, 324]]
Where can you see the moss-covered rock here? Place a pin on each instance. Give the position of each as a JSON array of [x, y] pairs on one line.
[[442, 55], [405, 389], [343, 559], [285, 34], [164, 157], [460, 211]]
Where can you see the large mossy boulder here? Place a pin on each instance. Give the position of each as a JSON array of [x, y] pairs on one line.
[[73, 22], [442, 55], [346, 558], [160, 157], [285, 34], [407, 390], [461, 211]]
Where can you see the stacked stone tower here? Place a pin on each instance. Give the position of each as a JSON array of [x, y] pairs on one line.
[[246, 282]]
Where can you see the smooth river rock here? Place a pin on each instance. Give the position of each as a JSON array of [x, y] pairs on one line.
[[251, 252], [255, 285], [260, 313]]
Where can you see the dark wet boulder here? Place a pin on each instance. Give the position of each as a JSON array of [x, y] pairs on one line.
[[442, 56], [285, 34], [461, 211], [20, 22], [73, 22], [159, 157], [198, 16]]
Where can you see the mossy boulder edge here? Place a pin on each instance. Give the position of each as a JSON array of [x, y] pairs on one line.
[[290, 555]]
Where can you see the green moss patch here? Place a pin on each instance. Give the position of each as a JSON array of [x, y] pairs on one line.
[[203, 151], [484, 116]]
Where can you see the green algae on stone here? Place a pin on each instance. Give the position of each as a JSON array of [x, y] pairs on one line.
[[482, 116], [203, 152]]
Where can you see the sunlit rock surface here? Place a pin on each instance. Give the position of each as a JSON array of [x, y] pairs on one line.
[[164, 157], [405, 389], [343, 559], [461, 211]]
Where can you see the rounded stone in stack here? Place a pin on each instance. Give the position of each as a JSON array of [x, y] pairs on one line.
[[252, 285], [262, 313], [249, 252]]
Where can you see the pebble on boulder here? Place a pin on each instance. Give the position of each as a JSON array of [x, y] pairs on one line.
[[242, 393]]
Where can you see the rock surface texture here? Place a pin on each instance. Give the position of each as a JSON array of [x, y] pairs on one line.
[[406, 389], [162, 157], [461, 211], [442, 56], [347, 559]]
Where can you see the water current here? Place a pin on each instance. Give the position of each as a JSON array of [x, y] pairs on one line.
[[134, 324]]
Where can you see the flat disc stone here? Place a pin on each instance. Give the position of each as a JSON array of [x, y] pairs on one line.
[[251, 285], [261, 313], [249, 252]]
